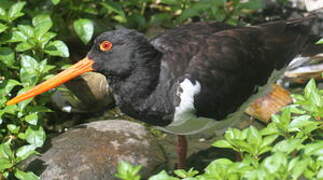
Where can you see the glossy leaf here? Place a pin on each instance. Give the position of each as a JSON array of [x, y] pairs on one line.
[[288, 146], [127, 171], [222, 144], [84, 28], [7, 56], [6, 151], [35, 135], [25, 151], [42, 24], [162, 176], [24, 46], [32, 118], [5, 163], [17, 36], [3, 27], [55, 2], [21, 175], [14, 129], [29, 70], [7, 86], [15, 10], [57, 48]]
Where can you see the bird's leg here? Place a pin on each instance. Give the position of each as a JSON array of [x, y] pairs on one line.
[[181, 150]]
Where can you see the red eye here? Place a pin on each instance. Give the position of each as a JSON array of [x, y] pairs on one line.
[[105, 46]]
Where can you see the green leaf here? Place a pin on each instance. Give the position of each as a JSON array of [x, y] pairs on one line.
[[127, 171], [6, 151], [5, 164], [10, 109], [275, 162], [18, 36], [15, 10], [84, 28], [25, 175], [23, 104], [24, 152], [160, 18], [114, 7], [188, 13], [254, 136], [7, 56], [169, 2], [14, 129], [32, 118], [162, 176], [29, 71], [42, 24], [3, 27], [319, 41], [3, 13], [185, 174], [309, 88], [35, 135], [271, 129], [297, 166], [26, 30], [24, 46], [252, 4], [288, 145], [57, 48], [7, 86], [314, 149], [46, 38], [55, 2], [222, 144], [267, 141], [301, 122], [218, 169]]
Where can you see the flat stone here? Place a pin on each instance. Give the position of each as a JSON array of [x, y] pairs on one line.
[[88, 93], [93, 150]]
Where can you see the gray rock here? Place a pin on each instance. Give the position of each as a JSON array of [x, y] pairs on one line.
[[92, 152], [88, 93]]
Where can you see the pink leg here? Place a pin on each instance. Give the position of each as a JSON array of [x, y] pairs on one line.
[[181, 149]]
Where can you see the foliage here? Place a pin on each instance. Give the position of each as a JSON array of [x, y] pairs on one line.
[[27, 49], [290, 147]]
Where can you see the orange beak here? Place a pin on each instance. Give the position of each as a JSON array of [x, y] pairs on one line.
[[84, 65]]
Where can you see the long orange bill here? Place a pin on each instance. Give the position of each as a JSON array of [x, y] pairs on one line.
[[84, 65]]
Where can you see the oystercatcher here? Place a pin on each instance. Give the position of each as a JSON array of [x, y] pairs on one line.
[[188, 78]]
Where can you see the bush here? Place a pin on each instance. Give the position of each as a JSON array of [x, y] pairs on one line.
[[28, 50], [290, 147]]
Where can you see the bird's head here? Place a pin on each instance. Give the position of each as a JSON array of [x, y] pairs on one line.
[[115, 53]]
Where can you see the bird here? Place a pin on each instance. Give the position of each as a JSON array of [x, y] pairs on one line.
[[187, 79]]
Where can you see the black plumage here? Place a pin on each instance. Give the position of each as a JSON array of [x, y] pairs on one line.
[[228, 62]]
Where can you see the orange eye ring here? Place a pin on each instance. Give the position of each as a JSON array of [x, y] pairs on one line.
[[105, 45]]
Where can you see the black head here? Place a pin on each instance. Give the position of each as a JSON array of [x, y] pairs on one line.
[[130, 50]]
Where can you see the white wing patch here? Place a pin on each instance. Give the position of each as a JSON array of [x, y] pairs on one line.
[[186, 92], [185, 121]]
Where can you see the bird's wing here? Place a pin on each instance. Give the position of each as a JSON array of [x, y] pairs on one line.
[[230, 64], [180, 44]]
